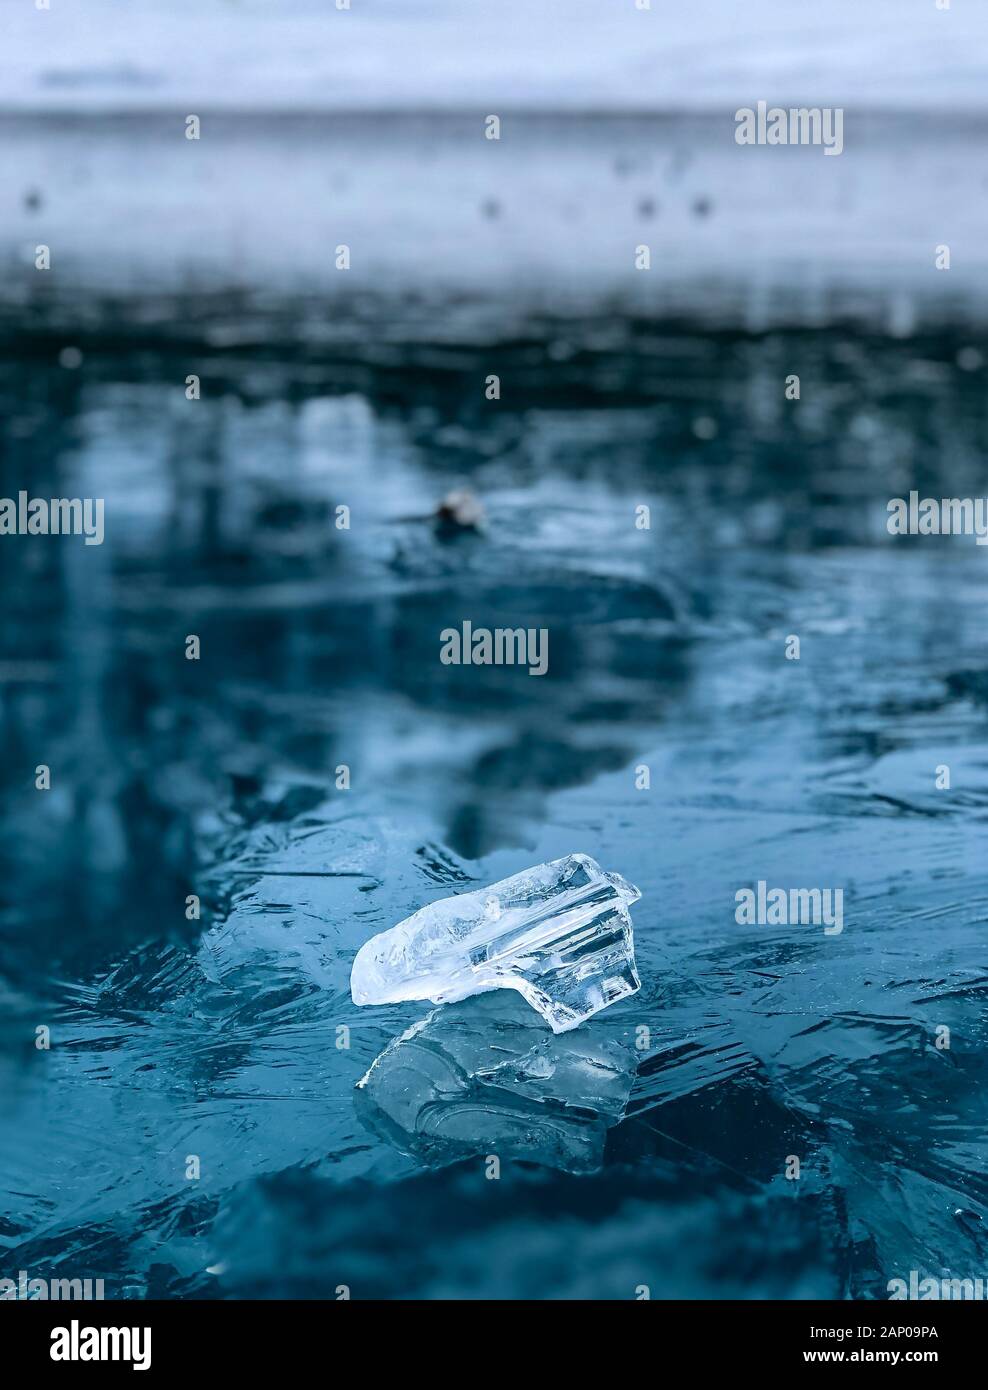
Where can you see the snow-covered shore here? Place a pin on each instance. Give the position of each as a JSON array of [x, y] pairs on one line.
[[365, 128], [547, 220], [455, 54]]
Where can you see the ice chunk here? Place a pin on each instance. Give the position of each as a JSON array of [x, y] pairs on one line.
[[484, 1077], [559, 934]]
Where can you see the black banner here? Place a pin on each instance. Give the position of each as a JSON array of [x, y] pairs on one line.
[[168, 1337]]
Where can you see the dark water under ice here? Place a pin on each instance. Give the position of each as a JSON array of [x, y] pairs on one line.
[[624, 1162]]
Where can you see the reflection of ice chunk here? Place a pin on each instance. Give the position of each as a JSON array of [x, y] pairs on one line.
[[485, 1077], [561, 936]]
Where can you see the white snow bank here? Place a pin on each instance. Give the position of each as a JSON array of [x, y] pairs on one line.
[[544, 54]]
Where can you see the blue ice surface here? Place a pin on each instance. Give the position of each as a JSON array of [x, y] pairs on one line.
[[219, 1040]]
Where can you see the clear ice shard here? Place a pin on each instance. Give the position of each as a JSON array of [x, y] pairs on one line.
[[560, 934]]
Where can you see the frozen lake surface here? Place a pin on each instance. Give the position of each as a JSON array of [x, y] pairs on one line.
[[197, 1127], [219, 1039]]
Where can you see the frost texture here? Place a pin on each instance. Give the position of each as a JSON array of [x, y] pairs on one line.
[[560, 934]]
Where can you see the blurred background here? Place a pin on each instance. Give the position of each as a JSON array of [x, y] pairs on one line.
[[218, 1038]]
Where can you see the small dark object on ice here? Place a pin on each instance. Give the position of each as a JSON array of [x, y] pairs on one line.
[[460, 508]]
